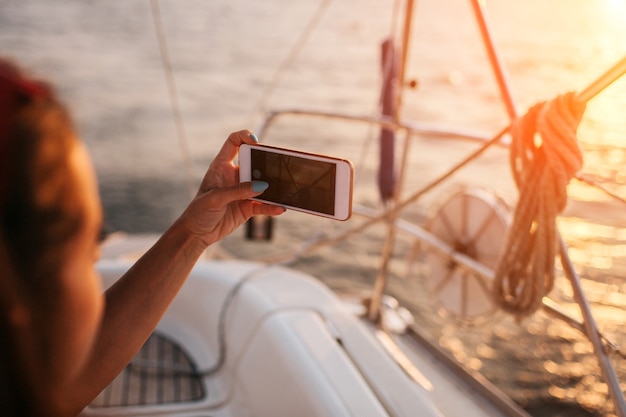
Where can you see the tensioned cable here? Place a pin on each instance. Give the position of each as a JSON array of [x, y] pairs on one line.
[[268, 91], [177, 114], [289, 58]]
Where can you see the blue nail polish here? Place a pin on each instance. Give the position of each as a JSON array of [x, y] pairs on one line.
[[258, 186], [254, 138]]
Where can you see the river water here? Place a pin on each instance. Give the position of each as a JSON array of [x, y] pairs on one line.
[[233, 59]]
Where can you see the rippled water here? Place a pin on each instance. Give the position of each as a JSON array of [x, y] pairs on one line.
[[104, 57]]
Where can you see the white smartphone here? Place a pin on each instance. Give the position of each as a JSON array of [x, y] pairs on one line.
[[311, 183]]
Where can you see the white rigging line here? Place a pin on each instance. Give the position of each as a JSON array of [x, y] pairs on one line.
[[286, 63], [265, 95], [183, 142], [269, 89]]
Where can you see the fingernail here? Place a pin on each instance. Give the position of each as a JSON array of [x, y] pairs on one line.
[[254, 138], [258, 186]]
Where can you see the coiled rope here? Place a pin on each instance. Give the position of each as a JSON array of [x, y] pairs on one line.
[[544, 157]]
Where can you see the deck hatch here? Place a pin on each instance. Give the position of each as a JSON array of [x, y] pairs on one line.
[[160, 373]]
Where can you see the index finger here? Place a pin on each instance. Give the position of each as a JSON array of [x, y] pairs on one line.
[[229, 149]]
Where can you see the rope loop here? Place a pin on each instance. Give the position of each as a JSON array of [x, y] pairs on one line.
[[544, 157]]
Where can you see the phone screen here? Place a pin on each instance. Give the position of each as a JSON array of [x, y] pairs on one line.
[[295, 181]]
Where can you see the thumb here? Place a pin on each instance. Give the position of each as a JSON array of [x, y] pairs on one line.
[[241, 191], [258, 187]]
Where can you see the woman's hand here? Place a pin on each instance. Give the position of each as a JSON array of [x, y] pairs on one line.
[[222, 202]]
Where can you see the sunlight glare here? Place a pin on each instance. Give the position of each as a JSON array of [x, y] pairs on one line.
[[613, 11], [616, 7], [584, 192]]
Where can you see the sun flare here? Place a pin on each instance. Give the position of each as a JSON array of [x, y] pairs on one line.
[[614, 11]]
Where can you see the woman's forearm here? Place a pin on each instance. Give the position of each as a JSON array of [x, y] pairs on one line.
[[134, 306]]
